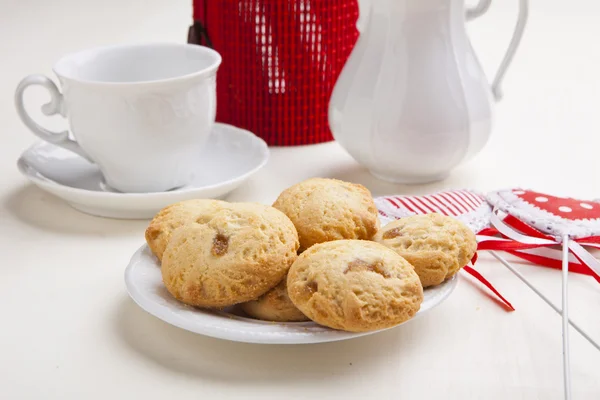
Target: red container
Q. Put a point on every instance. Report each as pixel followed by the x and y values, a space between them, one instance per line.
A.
pixel 281 59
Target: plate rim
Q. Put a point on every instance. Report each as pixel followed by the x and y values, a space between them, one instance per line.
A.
pixel 45 182
pixel 255 337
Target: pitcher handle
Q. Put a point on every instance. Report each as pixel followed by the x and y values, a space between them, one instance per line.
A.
pixel 480 9
pixel 55 106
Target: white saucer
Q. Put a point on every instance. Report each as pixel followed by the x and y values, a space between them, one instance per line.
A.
pixel 144 284
pixel 232 155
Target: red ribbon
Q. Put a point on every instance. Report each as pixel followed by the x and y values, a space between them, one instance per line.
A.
pixel 511 244
pixel 470 270
pixel 555 264
pixel 524 241
pixel 481 279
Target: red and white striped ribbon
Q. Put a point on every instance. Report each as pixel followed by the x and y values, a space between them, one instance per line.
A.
pixel 451 203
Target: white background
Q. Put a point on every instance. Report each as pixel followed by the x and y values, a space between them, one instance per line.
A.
pixel 69 331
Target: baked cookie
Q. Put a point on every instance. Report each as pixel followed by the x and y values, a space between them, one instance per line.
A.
pixel 354 285
pixel 176 215
pixel 329 209
pixel 436 245
pixel 237 256
pixel 275 305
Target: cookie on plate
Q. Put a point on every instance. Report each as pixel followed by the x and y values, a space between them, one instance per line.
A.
pixel 436 245
pixel 354 285
pixel 329 209
pixel 176 215
pixel 275 305
pixel 242 252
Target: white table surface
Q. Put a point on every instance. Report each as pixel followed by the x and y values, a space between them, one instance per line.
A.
pixel 69 330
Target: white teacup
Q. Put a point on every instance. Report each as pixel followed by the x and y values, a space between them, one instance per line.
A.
pixel 142 112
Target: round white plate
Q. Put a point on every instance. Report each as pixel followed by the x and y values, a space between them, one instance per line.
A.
pixel 144 284
pixel 230 157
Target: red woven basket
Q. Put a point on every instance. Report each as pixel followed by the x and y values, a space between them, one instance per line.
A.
pixel 281 59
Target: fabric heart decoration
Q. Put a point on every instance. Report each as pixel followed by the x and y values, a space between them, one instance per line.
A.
pixel 535 224
pixel 468 206
pixel 550 214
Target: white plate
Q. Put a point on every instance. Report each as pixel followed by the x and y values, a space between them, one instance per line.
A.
pixel 144 284
pixel 232 155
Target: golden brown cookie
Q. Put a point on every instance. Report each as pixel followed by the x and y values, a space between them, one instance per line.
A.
pixel 275 305
pixel 436 245
pixel 176 215
pixel 354 285
pixel 329 209
pixel 237 256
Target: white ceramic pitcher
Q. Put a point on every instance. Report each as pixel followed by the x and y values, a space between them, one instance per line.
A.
pixel 412 101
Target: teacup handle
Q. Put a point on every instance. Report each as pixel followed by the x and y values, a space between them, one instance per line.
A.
pixel 480 9
pixel 55 106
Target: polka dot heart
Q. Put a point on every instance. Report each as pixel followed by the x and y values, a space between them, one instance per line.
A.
pixel 572 209
pixel 550 214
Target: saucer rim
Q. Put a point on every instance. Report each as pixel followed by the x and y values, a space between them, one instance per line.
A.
pixel 265 154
